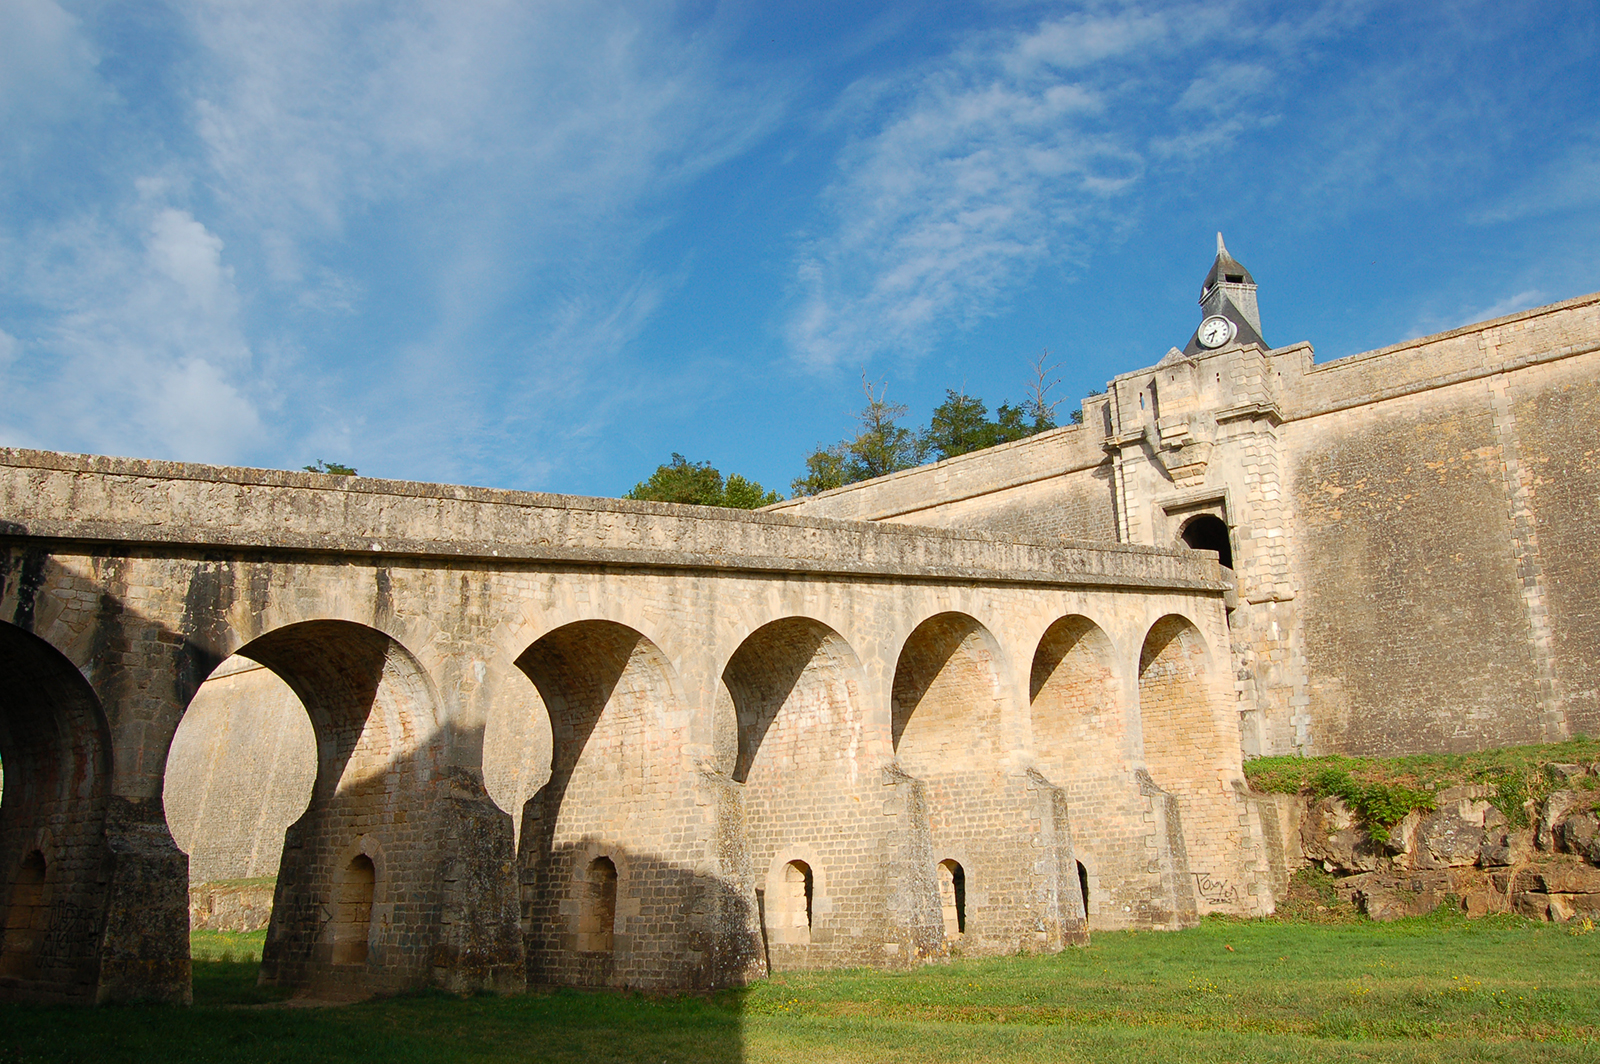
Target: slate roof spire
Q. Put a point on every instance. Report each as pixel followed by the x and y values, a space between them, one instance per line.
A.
pixel 1229 292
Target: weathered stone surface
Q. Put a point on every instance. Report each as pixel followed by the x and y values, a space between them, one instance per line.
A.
pixel 1504 846
pixel 1364 499
pixel 1579 833
pixel 230 907
pixel 1330 834
pixel 1452 836
pixel 566 739
pixel 1552 814
pixel 1390 897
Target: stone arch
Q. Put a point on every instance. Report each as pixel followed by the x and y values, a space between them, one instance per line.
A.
pixel 55 754
pixel 796 895
pixel 953 897
pixel 375 718
pixel 948 701
pixel 617 786
pixel 950 710
pixel 1186 753
pixel 239 771
pixel 1075 704
pixel 792 693
pixel 1208 532
pixel 1175 705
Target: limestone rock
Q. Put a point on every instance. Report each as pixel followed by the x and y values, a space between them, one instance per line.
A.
pixel 1388 897
pixel 1555 810
pixel 1566 878
pixel 1484 902
pixel 1503 846
pixel 1560 772
pixel 1579 834
pixel 1533 904
pixel 1452 836
pixel 1331 835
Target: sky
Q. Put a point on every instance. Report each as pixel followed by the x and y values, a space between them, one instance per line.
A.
pixel 546 246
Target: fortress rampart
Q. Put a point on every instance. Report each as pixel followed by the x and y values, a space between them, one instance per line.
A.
pixel 600 742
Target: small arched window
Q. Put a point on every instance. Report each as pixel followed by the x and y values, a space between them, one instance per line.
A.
pixel 1208 532
pixel 797 897
pixel 953 897
pixel 597 918
pixel 26 916
pixel 352 918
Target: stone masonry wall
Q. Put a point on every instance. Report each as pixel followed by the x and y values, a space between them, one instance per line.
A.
pixel 620 626
pixel 239 773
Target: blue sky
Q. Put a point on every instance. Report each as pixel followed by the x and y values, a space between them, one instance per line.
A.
pixel 545 246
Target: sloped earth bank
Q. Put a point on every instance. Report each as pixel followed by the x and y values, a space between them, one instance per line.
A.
pixel 1502 831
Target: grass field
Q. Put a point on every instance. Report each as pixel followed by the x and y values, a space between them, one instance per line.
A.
pixel 1438 988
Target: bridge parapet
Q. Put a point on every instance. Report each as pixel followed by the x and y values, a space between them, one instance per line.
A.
pixel 51 495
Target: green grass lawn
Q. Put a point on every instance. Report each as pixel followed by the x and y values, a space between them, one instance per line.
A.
pixel 1438 988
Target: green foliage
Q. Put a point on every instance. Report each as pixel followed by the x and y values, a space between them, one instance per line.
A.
pixel 332 469
pixel 959 425
pixel 882 446
pixel 1517 774
pixel 699 484
pixel 1379 806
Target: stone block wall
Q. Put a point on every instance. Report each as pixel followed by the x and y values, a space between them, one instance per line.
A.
pixel 244 744
pixel 606 672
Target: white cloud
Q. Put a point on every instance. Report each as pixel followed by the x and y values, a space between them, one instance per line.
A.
pixel 140 349
pixel 991 166
pixel 1017 149
pixel 47 67
pixel 1432 323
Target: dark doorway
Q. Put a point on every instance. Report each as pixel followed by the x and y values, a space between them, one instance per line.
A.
pixel 1207 532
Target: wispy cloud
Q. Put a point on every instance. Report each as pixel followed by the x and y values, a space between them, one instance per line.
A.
pixel 496 163
pixel 140 340
pixel 1020 148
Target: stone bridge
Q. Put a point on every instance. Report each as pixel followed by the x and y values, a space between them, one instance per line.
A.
pixel 600 742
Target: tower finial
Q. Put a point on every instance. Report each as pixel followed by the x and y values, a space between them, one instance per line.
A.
pixel 1221 250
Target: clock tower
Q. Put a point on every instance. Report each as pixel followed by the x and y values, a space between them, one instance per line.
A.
pixel 1228 302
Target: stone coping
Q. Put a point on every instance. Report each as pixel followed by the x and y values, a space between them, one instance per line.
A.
pixel 145 503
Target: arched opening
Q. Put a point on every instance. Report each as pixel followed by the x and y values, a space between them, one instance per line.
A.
pixel 1083 885
pixel 24 917
pixel 1209 532
pixel 788 724
pixel 1082 741
pixel 952 733
pixel 953 897
pixel 793 912
pixel 1186 750
pixel 352 911
pixel 616 730
pixel 54 749
pixel 947 698
pixel 239 771
pixel 597 918
pixel 1076 714
pixel 372 712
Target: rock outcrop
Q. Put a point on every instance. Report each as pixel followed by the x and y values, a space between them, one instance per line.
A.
pixel 1467 850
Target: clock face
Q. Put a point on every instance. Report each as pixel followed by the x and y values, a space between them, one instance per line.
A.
pixel 1215 331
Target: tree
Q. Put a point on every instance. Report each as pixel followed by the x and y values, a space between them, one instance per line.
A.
pixel 883 446
pixel 332 469
pixel 742 494
pixel 826 468
pixel 959 425
pixel 699 484
pixel 1038 405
